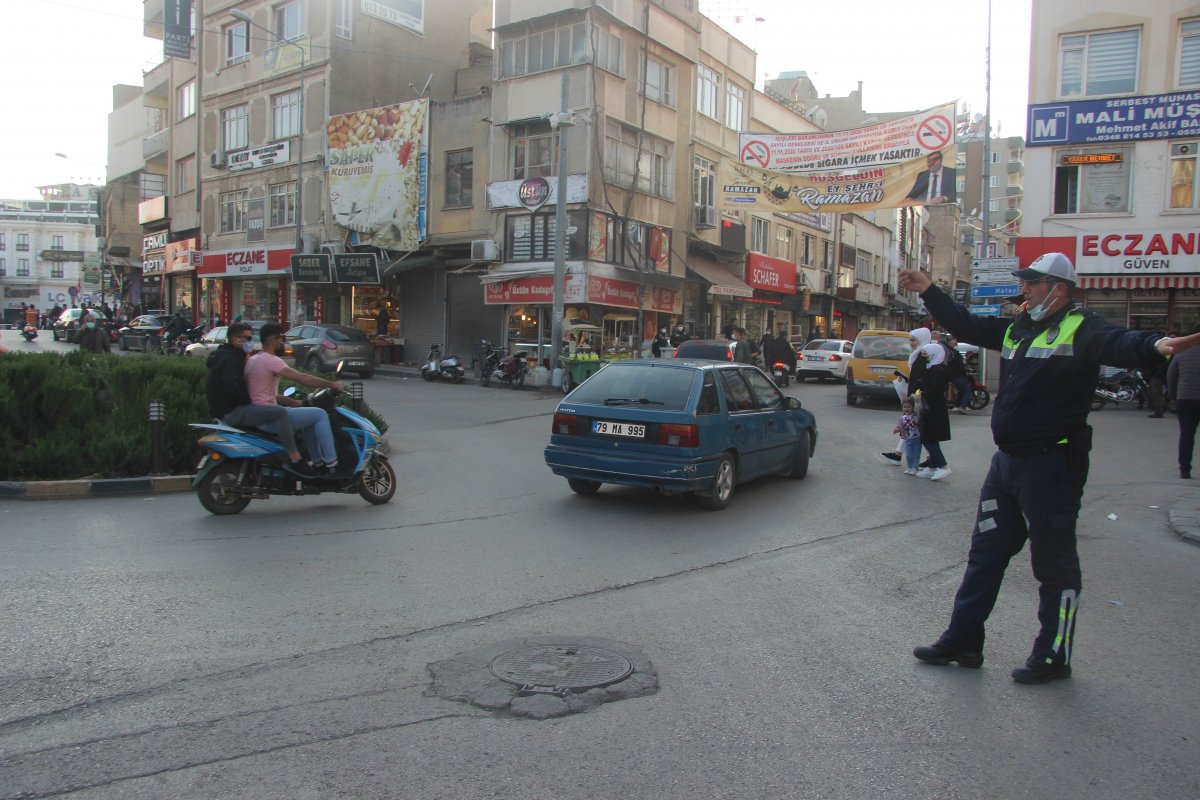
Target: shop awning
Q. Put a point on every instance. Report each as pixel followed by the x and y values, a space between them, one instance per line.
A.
pixel 1139 281
pixel 720 282
pixel 407 264
pixel 498 276
pixel 117 261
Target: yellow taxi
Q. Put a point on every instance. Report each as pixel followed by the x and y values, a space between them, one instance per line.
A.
pixel 876 358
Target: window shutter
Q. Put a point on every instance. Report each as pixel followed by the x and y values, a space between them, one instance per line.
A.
pixel 1112 62
pixel 1072 66
pixel 1189 56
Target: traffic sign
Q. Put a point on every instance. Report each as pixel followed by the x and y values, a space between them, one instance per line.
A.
pixel 991 276
pixel 1001 290
pixel 1008 264
pixel 985 311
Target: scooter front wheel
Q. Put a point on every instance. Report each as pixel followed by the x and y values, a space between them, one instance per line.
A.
pixel 377 484
pixel 218 490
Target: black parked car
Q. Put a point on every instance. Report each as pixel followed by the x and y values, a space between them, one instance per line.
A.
pixel 69 321
pixel 320 348
pixel 143 333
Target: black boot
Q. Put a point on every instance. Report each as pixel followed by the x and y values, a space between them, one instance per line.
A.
pixel 941 655
pixel 1036 671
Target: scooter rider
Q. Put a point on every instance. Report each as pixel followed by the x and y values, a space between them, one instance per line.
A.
pixel 229 399
pixel 1050 360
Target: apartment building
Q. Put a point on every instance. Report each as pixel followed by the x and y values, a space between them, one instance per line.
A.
pixel 48 250
pixel 1113 132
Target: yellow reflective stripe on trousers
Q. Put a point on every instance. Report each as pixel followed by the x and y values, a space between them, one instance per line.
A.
pixel 1067 605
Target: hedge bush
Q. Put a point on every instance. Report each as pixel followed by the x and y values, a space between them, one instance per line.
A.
pixel 79 415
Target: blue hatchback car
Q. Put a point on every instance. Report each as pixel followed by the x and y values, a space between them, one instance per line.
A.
pixel 679 426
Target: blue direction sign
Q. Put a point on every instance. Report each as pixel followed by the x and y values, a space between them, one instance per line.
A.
pixel 985 311
pixel 1002 290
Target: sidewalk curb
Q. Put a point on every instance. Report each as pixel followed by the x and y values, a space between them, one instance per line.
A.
pixel 1184 519
pixel 110 487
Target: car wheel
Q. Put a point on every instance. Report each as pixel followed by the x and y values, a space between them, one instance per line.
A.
pixel 313 364
pixel 800 378
pixel 821 378
pixel 218 491
pixel 851 399
pixel 579 486
pixel 377 484
pixel 54 335
pixel 721 491
pixel 566 387
pixel 800 462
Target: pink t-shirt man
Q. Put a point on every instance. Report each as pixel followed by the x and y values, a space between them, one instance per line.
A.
pixel 262 377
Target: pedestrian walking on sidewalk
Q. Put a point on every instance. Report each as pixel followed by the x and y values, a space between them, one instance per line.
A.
pixel 1183 383
pixel 1050 361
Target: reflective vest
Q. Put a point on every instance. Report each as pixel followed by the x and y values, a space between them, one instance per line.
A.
pixel 1056 340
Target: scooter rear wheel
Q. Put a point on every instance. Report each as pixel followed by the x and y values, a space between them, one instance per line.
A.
pixel 377 484
pixel 980 399
pixel 218 490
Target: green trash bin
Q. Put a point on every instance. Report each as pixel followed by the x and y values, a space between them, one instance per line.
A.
pixel 578 368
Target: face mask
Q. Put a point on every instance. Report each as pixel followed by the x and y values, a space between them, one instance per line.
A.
pixel 90 324
pixel 1041 310
pixel 247 347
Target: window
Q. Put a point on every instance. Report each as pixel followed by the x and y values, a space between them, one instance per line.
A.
pixel 343 19
pixel 56 243
pixel 827 254
pixel 233 211
pixel 993 205
pixel 993 181
pixel 283 204
pixel 783 242
pixel 22 267
pixel 185 101
pixel 707 84
pixel 735 106
pixel 995 156
pixel 636 160
pixel 1189 53
pixel 151 186
pixel 530 237
pixel 1092 180
pixel 56 269
pixel 1099 63
pixel 22 241
pixel 704 181
pixel 658 80
pixel 542 50
pixel 285 115
pixel 808 250
pixel 236 128
pixel 3 241
pixel 185 174
pixel 534 154
pixel 237 42
pixel 1183 175
pixel 759 231
pixel 289 20
pixel 608 52
pixel 460 175
pixel 3 267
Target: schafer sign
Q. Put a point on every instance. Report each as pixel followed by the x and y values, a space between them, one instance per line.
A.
pixel 1139 252
pixel 772 274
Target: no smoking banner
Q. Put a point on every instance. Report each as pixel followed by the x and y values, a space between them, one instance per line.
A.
pixel 935 133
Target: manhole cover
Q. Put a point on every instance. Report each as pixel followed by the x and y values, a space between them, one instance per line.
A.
pixel 561 668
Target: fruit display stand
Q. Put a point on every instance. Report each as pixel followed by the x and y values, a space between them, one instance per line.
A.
pixel 578 367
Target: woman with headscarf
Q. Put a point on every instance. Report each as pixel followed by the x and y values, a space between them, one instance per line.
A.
pixel 930 378
pixel 917 338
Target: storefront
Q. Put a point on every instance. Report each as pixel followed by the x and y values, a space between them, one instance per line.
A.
pixel 152 289
pixel 728 296
pixel 179 274
pixel 1145 280
pixel 247 284
pixel 774 283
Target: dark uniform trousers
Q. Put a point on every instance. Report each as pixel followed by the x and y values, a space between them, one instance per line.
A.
pixel 1037 497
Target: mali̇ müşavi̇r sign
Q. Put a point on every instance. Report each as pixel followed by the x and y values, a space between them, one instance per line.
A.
pixel 378 171
pixel 892 164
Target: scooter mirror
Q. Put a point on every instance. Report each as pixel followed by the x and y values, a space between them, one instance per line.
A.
pixel 288 392
pixel 341 366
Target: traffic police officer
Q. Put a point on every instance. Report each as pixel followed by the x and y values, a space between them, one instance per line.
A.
pixel 1051 357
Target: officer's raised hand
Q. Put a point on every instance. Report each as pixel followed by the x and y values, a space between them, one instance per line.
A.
pixel 914 280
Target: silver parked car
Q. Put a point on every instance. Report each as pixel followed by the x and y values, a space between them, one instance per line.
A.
pixel 320 348
pixel 823 358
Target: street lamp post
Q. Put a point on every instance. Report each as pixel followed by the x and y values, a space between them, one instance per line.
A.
pixel 237 13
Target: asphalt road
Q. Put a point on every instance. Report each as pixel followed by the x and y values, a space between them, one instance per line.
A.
pixel 151 650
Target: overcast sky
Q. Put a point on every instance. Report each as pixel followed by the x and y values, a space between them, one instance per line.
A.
pixel 59 60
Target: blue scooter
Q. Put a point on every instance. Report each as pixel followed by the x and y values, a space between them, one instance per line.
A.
pixel 241 465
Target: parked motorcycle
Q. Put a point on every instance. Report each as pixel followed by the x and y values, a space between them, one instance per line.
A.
pixel 501 366
pixel 781 374
pixel 1124 386
pixel 448 368
pixel 241 465
pixel 29 331
pixel 177 345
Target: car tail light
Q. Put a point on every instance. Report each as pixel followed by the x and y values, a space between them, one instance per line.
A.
pixel 780 364
pixel 679 435
pixel 565 424
pixel 328 345
pixel 835 357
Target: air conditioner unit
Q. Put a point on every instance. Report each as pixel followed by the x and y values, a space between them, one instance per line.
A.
pixel 485 250
pixel 216 159
pixel 706 217
pixel 333 248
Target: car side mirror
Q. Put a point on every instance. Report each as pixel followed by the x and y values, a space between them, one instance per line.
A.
pixel 793 404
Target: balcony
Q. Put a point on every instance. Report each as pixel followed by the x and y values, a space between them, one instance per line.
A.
pixel 1016 167
pixel 1012 214
pixel 157 84
pixel 847 293
pixel 152 19
pixel 155 145
pixel 1014 191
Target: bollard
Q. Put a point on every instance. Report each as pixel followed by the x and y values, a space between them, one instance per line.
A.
pixel 158 416
pixel 356 396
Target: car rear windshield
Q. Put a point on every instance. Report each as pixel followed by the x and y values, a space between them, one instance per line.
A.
pixel 347 335
pixel 828 345
pixel 663 388
pixel 895 348
pixel 716 351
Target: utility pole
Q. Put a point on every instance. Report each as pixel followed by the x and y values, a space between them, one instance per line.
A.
pixel 987 142
pixel 559 123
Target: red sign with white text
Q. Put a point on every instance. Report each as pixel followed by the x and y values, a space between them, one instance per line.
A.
pixel 612 292
pixel 772 274
pixel 534 289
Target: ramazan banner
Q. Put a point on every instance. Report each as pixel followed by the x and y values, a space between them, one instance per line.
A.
pixel 378 167
pixel 908 161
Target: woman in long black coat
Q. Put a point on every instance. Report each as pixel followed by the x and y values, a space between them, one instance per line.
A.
pixel 930 376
